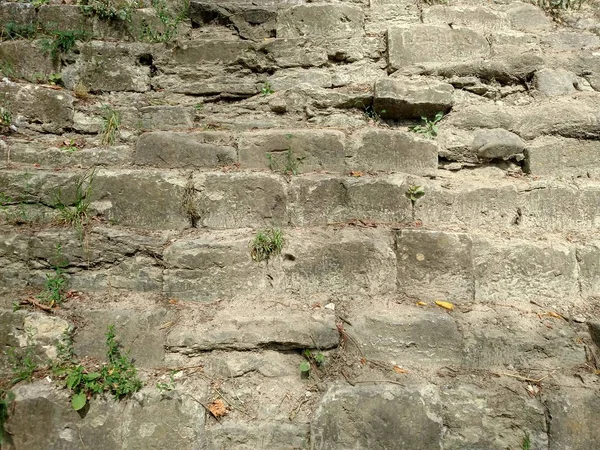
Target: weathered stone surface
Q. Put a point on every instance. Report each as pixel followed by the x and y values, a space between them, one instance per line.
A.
pixel 541 341
pixel 319 200
pixel 20 13
pixel 211 267
pixel 145 422
pixel 494 417
pixel 142 332
pixel 377 417
pixel 553 156
pixel 477 17
pixel 116 195
pixel 105 66
pixel 340 261
pixel 309 330
pixel 411 99
pixel 528 18
pixel 38 107
pixel 434 265
pixel 283 53
pixel 44 331
pixel 498 143
pixel 331 20
pixel 412 338
pixel 414 44
pixel 209 149
pixel 238 200
pixel 588 259
pixel 22 58
pixel 251 21
pixel 166 117
pixel 64 17
pixel 521 271
pixel 38 187
pixel 573 419
pixel 310 149
pixel 250 436
pixel 555 82
pixel 392 151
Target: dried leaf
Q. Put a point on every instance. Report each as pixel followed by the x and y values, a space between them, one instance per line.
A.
pixel 173 301
pixel 356 173
pixel 446 305
pixel 399 369
pixel 421 304
pixel 218 408
pixel 555 315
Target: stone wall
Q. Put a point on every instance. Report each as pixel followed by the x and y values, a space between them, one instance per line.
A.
pixel 216 102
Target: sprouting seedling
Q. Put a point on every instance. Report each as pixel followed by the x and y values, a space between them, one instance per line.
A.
pixel 414 193
pixel 267 89
pixel 429 128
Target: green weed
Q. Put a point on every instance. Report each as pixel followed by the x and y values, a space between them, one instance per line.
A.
pixel 55 289
pixel 37 3
pixel 70 146
pixel 111 10
pixel 266 244
pixel 118 376
pixel 291 163
pixel 414 193
pixel 62 41
pixel 23 361
pixel 266 89
pixel 110 126
pixel 168 386
pixel 317 359
pixel 56 79
pixel 526 443
pixel 75 214
pixel 13 211
pixel 429 128
pixel 371 114
pixel 6 399
pixel 169 21
pixel 5 115
pixel 12 30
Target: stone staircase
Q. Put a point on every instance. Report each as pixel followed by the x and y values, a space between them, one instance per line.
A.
pixel 212 125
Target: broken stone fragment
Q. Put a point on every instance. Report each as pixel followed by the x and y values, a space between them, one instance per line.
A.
pixel 411 99
pixel 498 143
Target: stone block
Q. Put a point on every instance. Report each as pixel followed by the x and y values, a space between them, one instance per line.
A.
pixel 166 118
pixel 491 417
pixel 105 66
pixel 309 149
pixel 198 54
pixel 342 261
pixel 528 18
pixel 417 44
pixel 555 156
pixel 497 143
pixel 477 17
pixel 434 265
pixel 318 200
pixel 330 20
pixel 250 435
pixel 38 107
pixel 379 199
pixel 140 199
pixel 573 423
pixel 413 339
pixel 64 17
pixel 411 99
pixel 22 58
pixel 555 82
pixel 209 149
pixel 140 331
pixel 588 259
pixel 237 200
pixel 211 267
pixel 19 13
pixel 144 423
pixel 521 271
pixel 377 417
pixel 294 331
pixel 283 53
pixel 392 151
pixel 39 187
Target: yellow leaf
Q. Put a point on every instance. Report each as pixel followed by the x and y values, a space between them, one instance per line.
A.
pixel 421 304
pixel 446 305
pixel 555 315
pixel 399 369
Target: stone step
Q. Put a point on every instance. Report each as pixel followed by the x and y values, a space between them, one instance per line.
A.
pixel 414 264
pixel 469 201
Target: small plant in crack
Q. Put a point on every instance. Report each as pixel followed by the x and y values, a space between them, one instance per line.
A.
pixel 429 128
pixel 526 443
pixel 414 193
pixel 372 115
pixel 266 244
pixel 287 164
pixel 62 42
pixel 75 214
pixel 55 289
pixel 110 125
pixel 5 116
pixel 311 359
pixel 266 89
